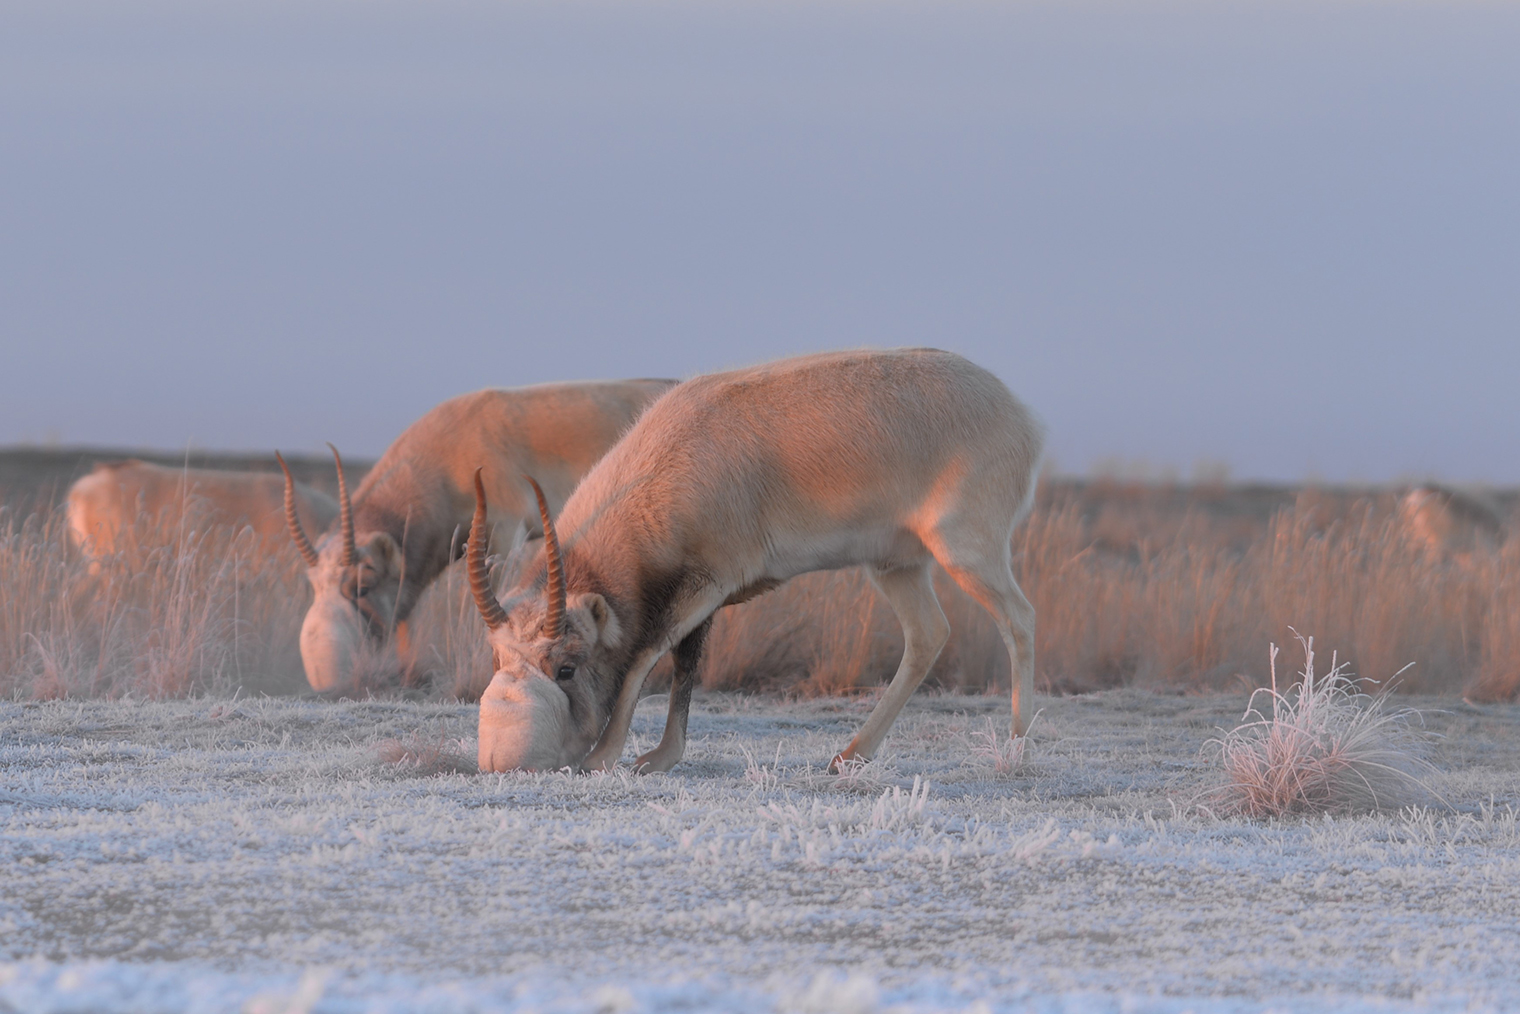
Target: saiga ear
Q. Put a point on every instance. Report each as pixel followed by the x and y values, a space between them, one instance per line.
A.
pixel 608 630
pixel 384 554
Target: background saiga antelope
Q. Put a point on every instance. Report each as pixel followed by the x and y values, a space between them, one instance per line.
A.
pixel 405 522
pixel 109 501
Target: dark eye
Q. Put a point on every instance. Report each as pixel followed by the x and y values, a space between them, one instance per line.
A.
pixel 362 591
pixel 565 672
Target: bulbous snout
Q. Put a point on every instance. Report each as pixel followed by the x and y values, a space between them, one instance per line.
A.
pixel 332 636
pixel 525 725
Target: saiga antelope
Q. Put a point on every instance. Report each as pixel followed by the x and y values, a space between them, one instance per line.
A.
pixel 729 485
pixel 107 502
pixel 404 524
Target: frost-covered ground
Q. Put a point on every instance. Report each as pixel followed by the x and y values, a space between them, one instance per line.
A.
pixel 265 855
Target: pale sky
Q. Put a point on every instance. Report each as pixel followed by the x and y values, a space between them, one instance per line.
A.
pixel 1281 235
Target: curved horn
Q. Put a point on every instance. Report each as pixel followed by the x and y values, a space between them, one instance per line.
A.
pixel 296 531
pixel 555 592
pixel 345 514
pixel 480 578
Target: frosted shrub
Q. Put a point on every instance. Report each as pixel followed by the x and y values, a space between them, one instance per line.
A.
pixel 1323 745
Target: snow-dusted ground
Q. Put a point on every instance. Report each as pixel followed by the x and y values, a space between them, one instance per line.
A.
pixel 264 855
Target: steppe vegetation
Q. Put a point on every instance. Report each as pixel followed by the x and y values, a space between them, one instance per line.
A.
pixel 179 610
pixel 1167 589
pixel 183 841
pixel 1134 586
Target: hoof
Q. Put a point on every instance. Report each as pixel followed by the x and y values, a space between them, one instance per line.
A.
pixel 844 760
pixel 650 764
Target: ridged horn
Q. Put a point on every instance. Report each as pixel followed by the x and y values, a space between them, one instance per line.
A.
pixel 291 519
pixel 480 578
pixel 555 592
pixel 345 514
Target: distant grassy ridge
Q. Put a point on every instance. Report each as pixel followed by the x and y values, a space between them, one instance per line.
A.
pixel 1158 585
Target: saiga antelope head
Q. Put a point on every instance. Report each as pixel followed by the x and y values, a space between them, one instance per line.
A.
pixel 554 653
pixel 355 588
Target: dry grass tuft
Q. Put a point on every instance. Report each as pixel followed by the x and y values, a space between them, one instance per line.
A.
pixel 1326 746
pixel 425 756
pixel 856 775
pixel 762 776
pixel 994 748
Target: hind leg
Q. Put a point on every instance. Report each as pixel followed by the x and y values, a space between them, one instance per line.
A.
pixel 989 580
pixel 910 591
pixel 687 656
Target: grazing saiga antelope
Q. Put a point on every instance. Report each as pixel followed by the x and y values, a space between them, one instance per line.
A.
pixel 406 521
pixel 730 485
pixel 1451 526
pixel 107 502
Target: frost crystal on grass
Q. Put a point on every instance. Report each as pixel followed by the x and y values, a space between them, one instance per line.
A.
pixel 427 755
pixel 1324 746
pixel 1004 754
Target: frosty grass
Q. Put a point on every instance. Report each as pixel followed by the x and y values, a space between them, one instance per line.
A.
pixel 270 855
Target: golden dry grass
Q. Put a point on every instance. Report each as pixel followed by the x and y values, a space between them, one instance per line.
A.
pixel 1193 614
pixel 180 609
pixel 1173 598
pixel 1176 593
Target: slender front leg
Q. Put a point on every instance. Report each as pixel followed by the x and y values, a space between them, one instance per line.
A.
pixel 604 756
pixel 406 655
pixel 688 657
pixel 910 592
pixel 615 736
